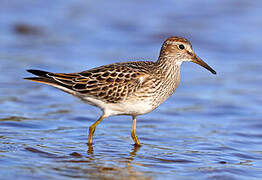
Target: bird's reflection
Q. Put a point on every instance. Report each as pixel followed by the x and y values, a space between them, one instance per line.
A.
pixel 90 150
pixel 128 159
pixel 132 154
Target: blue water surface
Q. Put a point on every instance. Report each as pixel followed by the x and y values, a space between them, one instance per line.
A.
pixel 211 128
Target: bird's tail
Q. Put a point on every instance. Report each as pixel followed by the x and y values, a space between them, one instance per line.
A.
pixel 42 77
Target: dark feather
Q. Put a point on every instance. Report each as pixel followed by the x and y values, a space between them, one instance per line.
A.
pixel 42 80
pixel 38 72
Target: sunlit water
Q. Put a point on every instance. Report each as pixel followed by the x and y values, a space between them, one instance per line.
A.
pixel 209 129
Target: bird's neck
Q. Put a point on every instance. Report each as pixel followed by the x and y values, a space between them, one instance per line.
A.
pixel 169 67
pixel 169 77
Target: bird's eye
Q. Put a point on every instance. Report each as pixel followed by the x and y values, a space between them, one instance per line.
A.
pixel 181 46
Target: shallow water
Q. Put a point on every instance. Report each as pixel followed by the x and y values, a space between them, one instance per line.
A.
pixel 209 129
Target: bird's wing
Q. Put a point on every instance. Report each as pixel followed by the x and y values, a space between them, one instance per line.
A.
pixel 110 83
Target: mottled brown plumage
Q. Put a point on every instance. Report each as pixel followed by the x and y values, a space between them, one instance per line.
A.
pixel 130 88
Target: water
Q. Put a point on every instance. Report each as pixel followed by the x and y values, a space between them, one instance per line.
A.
pixel 209 129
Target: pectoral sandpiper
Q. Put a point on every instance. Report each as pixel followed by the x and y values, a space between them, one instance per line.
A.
pixel 129 88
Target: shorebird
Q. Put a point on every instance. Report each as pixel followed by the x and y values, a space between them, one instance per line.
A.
pixel 127 88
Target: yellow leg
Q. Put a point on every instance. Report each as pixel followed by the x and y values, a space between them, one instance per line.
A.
pixel 92 129
pixel 133 134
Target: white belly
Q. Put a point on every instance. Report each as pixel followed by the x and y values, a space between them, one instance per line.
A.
pixel 132 108
pixel 124 108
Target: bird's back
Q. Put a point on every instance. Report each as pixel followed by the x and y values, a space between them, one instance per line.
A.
pixel 110 83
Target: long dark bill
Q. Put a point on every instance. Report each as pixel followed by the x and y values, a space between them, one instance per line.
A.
pixel 199 61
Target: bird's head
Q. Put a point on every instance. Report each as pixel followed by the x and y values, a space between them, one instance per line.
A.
pixel 180 49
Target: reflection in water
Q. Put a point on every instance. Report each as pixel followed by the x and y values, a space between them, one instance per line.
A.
pixel 132 153
pixel 90 150
pixel 92 166
pixel 107 170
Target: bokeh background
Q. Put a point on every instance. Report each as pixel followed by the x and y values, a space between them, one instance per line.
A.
pixel 209 129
